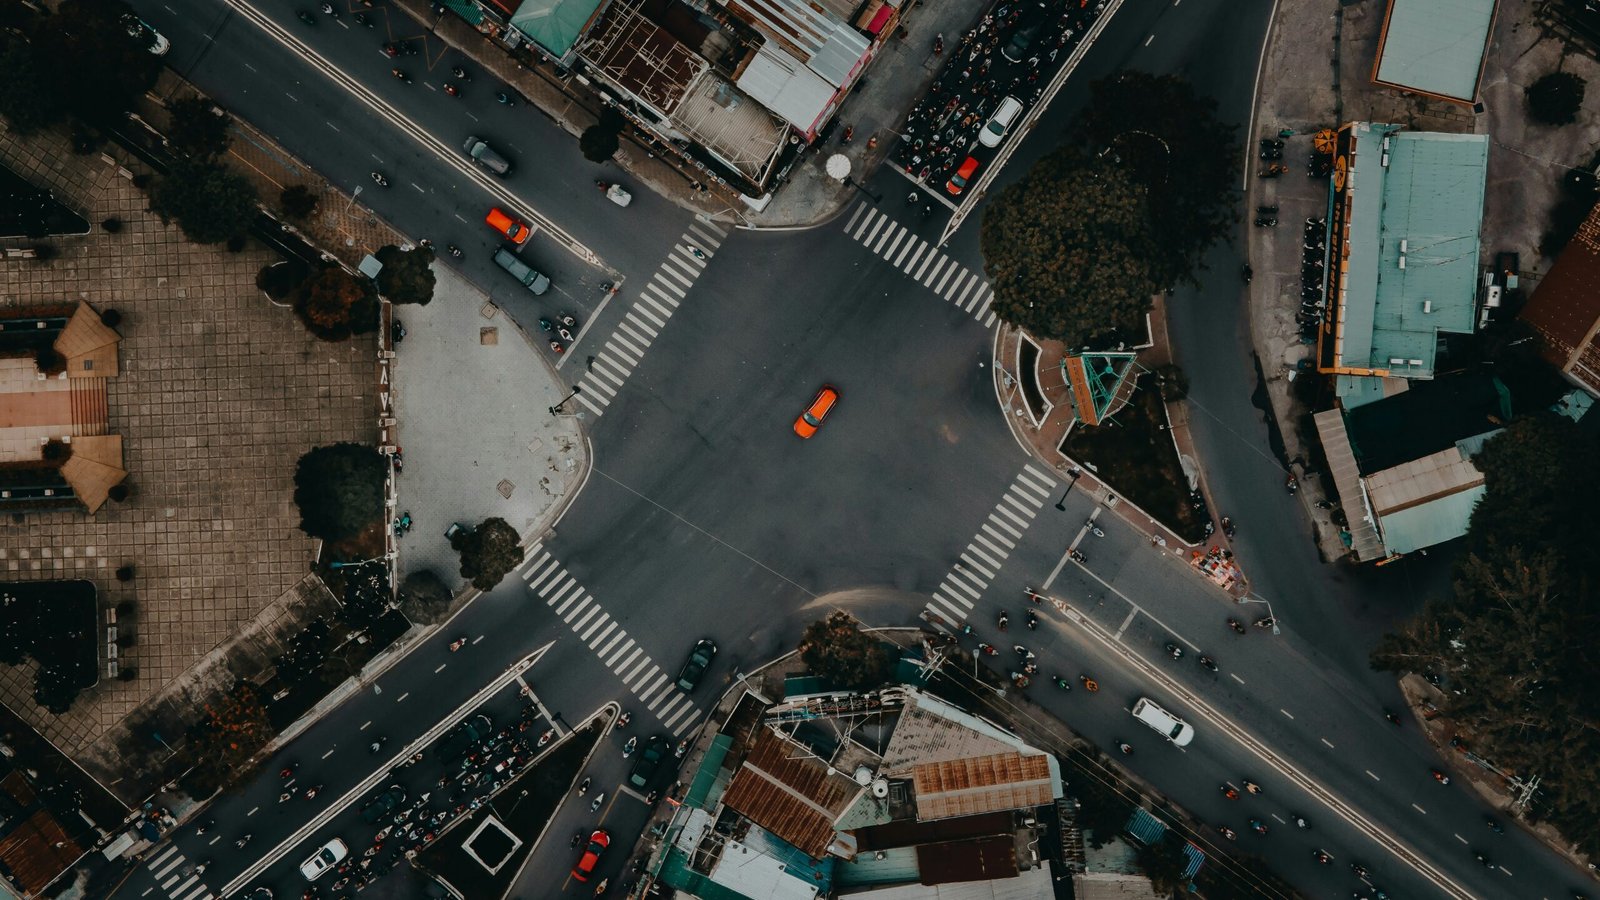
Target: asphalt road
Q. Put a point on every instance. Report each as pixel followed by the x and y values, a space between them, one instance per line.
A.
pixel 704 516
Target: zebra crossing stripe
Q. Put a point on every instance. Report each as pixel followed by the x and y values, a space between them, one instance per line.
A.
pixel 914 242
pixel 1010 545
pixel 162 858
pixel 856 215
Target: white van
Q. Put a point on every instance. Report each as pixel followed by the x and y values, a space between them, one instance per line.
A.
pixel 1171 727
pixel 994 130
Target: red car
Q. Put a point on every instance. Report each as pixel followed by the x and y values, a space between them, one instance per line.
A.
pixel 811 419
pixel 958 181
pixel 598 842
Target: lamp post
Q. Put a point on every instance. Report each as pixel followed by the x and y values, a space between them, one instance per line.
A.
pixel 336 565
pixel 1270 614
pixel 576 390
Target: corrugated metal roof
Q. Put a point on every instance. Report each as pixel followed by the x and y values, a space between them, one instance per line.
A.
pixel 783 788
pixel 1435 46
pixel 1425 191
pixel 1441 519
pixel 554 25
pixel 784 85
pixel 1347 479
pixel 822 41
pixel 1565 308
pixel 1422 481
pixel 982 784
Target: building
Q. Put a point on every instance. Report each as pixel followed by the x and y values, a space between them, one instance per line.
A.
pixel 1402 248
pixel 1435 47
pixel 1565 309
pixel 887 794
pixel 1402 464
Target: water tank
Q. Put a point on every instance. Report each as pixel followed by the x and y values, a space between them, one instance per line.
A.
pixel 880 788
pixel 863 775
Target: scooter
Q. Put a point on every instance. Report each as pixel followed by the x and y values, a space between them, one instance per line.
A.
pixel 624 718
pixel 460 73
pixel 681 749
pixel 556 347
pixel 1063 683
pixel 1095 529
pixel 1236 625
pixel 599 800
pixel 1209 663
pixel 1033 620
pixel 1003 620
pixel 451 89
pixel 545 739
pixel 583 786
pixel 327 9
pixel 988 649
pixel 306 17
pixel 1174 651
pixel 378 177
pixel 361 19
pixel 457 644
pixel 505 98
pixel 627 748
pixel 400 74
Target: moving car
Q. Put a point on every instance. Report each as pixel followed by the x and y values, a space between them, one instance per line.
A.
pixel 644 768
pixel 1171 727
pixel 958 181
pixel 383 804
pixel 326 857
pixel 695 666
pixel 484 155
pixel 994 130
pixel 598 842
pixel 531 279
pixel 511 228
pixel 811 419
pixel 1021 42
pixel 154 40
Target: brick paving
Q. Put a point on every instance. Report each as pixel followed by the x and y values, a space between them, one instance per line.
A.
pixel 220 392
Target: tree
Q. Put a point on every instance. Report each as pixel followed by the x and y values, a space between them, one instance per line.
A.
pixel 425 598
pixel 838 650
pixel 1513 639
pixel 27 99
pixel 339 490
pixel 407 275
pixel 1126 208
pixel 488 552
pixel 333 304
pixel 96 65
pixel 601 141
pixel 1164 863
pixel 210 202
pixel 198 128
pixel 1556 98
pixel 298 201
pixel 279 280
pixel 1067 249
pixel 222 746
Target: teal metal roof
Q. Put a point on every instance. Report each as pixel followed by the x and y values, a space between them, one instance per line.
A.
pixel 554 25
pixel 1424 191
pixel 1434 522
pixel 1435 46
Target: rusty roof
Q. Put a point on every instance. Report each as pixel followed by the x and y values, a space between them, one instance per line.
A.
pixel 787 790
pixel 982 784
pixel 37 850
pixel 1565 308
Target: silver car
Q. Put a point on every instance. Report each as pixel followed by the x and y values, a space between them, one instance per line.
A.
pixel 484 155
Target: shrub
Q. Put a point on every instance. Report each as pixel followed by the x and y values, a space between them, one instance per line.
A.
pixel 298 201
pixel 124 573
pixel 112 225
pixel 1556 98
pixel 111 318
pixel 49 361
pixel 119 492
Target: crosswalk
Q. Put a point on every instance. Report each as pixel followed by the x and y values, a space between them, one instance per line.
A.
pixel 996 538
pixel 922 261
pixel 654 687
pixel 176 876
pixel 649 314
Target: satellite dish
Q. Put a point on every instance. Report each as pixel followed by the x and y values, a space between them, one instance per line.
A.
pixel 838 167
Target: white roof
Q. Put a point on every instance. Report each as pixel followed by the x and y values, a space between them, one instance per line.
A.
pixel 784 85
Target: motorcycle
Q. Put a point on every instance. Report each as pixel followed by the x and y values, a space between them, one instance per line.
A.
pixel 1063 683
pixel 1265 622
pixel 624 718
pixel 400 74
pixel 1095 529
pixel 505 98
pixel 1247 272
pixel 1125 747
pixel 681 749
pixel 1003 620
pixel 306 17
pixel 1250 786
pixel 1033 620
pixel 458 643
pixel 1439 776
pixel 583 786
pixel 451 89
pixel 1231 792
pixel 938 43
pixel 987 649
pixel 378 177
pixel 1292 484
pixel 1236 625
pixel 362 20
pixel 1393 719
pixel 1078 557
pixel 460 73
pixel 545 739
pixel 627 748
pixel 599 801
pixel 1023 652
pixel 1227 832
pixel 1494 825
pixel 312 792
pixel 1209 663
pixel 1300 821
pixel 286 796
pixel 1019 679
pixel 577 838
pixel 1089 684
pixel 556 347
pixel 1321 856
pixel 454 251
pixel 1174 651
pixel 1258 826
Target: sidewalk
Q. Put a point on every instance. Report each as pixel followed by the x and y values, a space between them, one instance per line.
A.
pixel 472 396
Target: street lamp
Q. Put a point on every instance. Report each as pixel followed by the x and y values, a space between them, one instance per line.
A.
pixel 336 565
pixel 576 390
pixel 1062 503
pixel 1270 614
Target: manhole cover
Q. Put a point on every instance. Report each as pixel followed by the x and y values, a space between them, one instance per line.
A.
pixel 506 487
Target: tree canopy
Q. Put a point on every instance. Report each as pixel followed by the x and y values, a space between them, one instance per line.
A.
pixel 1124 209
pixel 198 128
pixel 1514 639
pixel 25 100
pixel 210 202
pixel 425 598
pixel 1556 98
pixel 222 746
pixel 837 649
pixel 339 490
pixel 600 141
pixel 333 304
pixel 94 65
pixel 488 552
pixel 407 275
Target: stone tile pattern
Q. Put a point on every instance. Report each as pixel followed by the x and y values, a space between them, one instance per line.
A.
pixel 220 394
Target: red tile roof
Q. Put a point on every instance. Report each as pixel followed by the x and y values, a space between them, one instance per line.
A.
pixel 1565 309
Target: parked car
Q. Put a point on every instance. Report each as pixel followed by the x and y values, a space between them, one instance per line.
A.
pixel 598 842
pixel 994 130
pixel 533 280
pixel 695 666
pixel 644 768
pixel 383 804
pixel 326 857
pixel 152 39
pixel 517 231
pixel 958 181
pixel 484 155
pixel 821 405
pixel 1021 43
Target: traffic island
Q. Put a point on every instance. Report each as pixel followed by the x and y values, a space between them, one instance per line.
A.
pixel 483 852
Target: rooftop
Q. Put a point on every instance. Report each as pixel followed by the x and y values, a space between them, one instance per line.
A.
pixel 1435 47
pixel 1565 308
pixel 554 25
pixel 783 788
pixel 1430 417
pixel 1413 209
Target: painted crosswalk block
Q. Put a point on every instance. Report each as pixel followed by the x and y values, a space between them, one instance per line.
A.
pixel 922 261
pixel 654 686
pixel 643 322
pixel 176 875
pixel 996 538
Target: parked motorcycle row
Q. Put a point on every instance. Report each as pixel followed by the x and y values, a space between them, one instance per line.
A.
pixel 1313 271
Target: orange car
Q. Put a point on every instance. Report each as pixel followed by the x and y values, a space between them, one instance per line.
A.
pixel 811 419
pixel 511 228
pixel 958 181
